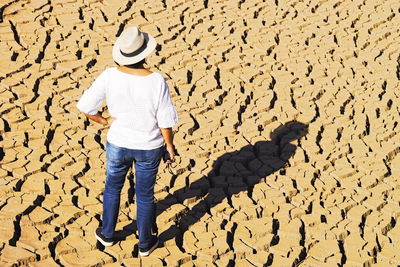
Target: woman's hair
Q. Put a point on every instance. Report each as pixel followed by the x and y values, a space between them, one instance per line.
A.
pixel 137 65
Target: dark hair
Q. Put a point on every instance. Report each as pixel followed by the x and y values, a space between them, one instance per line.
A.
pixel 138 65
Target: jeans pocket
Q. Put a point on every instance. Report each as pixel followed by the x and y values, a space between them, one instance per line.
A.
pixel 151 156
pixel 114 153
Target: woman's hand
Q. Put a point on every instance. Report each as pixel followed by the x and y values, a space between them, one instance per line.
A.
pixel 100 119
pixel 110 120
pixel 170 150
pixel 167 134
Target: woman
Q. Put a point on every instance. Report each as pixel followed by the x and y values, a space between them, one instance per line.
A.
pixel 142 115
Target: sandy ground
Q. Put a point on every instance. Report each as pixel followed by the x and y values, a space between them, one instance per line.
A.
pixel 288 133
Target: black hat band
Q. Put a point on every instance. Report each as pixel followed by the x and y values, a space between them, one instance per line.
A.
pixel 137 52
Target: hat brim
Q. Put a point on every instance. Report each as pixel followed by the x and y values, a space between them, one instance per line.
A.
pixel 129 60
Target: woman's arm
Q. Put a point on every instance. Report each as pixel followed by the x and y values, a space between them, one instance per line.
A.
pixel 167 134
pixel 100 119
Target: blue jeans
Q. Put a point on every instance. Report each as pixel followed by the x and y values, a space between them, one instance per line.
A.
pixel 119 160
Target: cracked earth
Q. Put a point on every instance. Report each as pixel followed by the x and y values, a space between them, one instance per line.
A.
pixel 288 136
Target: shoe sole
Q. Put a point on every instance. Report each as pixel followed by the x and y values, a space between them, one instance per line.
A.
pixel 106 244
pixel 147 253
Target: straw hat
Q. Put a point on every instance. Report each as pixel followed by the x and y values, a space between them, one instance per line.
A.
pixel 132 46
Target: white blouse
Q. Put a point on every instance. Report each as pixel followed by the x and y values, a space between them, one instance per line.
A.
pixel 141 105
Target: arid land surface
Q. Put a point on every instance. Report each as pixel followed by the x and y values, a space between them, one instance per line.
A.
pixel 288 134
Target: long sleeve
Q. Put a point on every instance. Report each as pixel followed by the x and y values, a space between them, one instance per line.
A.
pixel 166 112
pixel 92 98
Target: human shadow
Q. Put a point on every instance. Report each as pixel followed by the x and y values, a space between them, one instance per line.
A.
pixel 231 173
